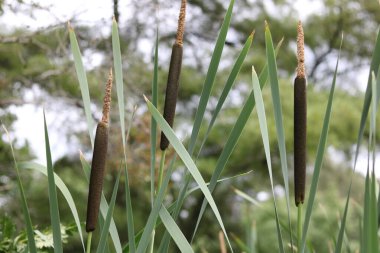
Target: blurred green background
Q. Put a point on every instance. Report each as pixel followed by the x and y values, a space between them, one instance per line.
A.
pixel 37 71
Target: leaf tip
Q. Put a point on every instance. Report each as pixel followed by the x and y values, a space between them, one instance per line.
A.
pixel 266 26
pixel 71 29
pixel 81 155
pixel 145 98
pixel 252 34
pixel 253 70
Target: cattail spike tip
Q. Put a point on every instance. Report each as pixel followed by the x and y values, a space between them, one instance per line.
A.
pixel 300 51
pixel 107 98
pixel 181 24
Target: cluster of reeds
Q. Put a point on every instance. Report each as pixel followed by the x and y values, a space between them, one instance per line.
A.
pixel 98 207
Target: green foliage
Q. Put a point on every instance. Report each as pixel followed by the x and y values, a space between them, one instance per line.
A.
pixel 254 228
pixel 13 242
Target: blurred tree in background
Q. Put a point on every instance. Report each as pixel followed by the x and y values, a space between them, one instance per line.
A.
pixel 38 61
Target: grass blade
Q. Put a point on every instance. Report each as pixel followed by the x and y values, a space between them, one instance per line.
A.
pixel 275 91
pixel 151 222
pixel 24 205
pixel 130 221
pixel 227 151
pixel 232 139
pixel 373 212
pixel 174 231
pixel 196 188
pixel 53 201
pixel 373 216
pixel 118 78
pixel 366 218
pixel 83 84
pixel 128 200
pixel 367 100
pixel 241 245
pixel 264 133
pixel 107 222
pixel 120 99
pixel 103 208
pixel 319 157
pixel 210 77
pixel 247 197
pixel 375 63
pixel 189 163
pixel 227 88
pixel 153 127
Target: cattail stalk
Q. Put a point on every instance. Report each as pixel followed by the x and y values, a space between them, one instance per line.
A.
pixel 300 119
pixel 99 161
pixel 173 75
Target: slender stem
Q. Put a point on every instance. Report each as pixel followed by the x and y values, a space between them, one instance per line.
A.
pixel 160 176
pixel 89 237
pixel 151 245
pixel 299 226
pixel 161 171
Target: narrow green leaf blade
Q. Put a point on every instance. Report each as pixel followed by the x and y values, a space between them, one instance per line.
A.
pixel 83 84
pixel 53 201
pixel 196 188
pixel 130 221
pixel 242 246
pixel 366 216
pixel 228 86
pixel 227 151
pixel 107 222
pixel 373 214
pixel 189 163
pixel 375 63
pixel 174 231
pixel 232 139
pixel 367 100
pixel 153 127
pixel 24 205
pixel 120 99
pixel 275 91
pixel 151 222
pixel 210 77
pixel 247 197
pixel 272 70
pixel 118 77
pixel 265 136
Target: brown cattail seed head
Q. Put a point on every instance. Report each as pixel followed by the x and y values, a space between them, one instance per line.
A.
pixel 300 129
pixel 107 99
pixel 99 161
pixel 181 24
pixel 173 75
pixel 300 51
pixel 97 175
pixel 172 90
pixel 300 121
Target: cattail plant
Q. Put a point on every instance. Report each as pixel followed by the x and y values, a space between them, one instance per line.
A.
pixel 300 111
pixel 174 74
pixel 99 161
